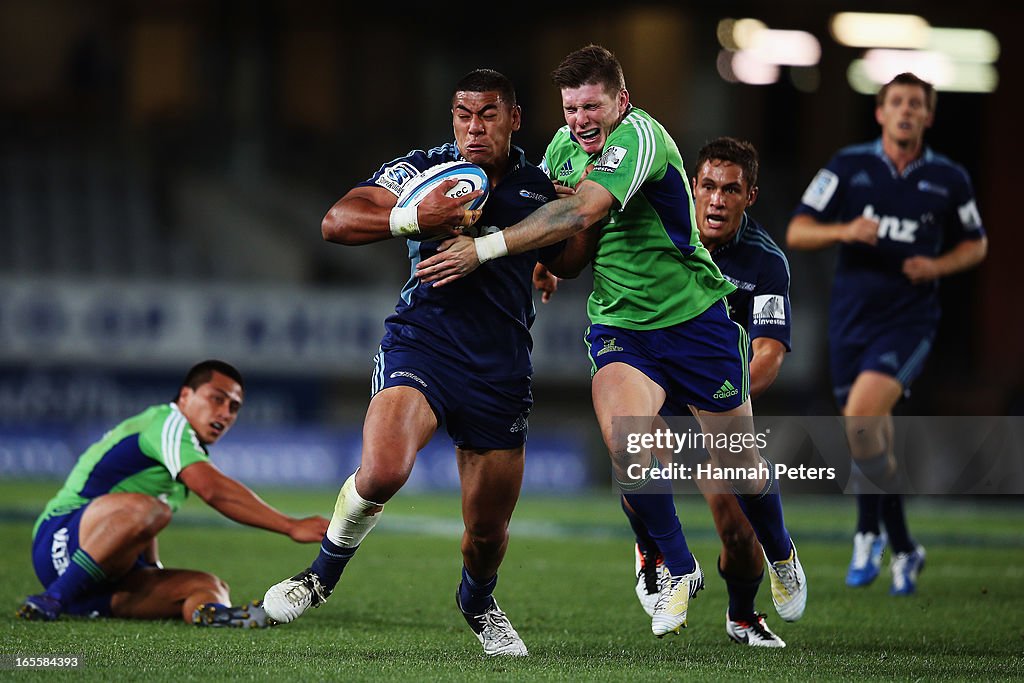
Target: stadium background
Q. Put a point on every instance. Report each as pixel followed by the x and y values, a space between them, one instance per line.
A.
pixel 164 167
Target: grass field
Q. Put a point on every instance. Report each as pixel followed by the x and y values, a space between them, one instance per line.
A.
pixel 566 584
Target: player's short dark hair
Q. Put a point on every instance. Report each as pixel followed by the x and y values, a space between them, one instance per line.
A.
pixel 931 96
pixel 733 150
pixel 486 80
pixel 201 373
pixel 590 65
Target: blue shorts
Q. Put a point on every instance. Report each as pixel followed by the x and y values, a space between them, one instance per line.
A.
pixel 702 362
pixel 477 413
pixel 54 544
pixel 899 353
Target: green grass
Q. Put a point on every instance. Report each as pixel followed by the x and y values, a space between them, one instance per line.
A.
pixel 566 584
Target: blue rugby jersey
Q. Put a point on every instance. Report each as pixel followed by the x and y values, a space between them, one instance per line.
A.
pixel 926 210
pixel 483 319
pixel 753 262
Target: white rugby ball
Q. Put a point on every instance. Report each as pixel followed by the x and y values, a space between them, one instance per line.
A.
pixel 470 177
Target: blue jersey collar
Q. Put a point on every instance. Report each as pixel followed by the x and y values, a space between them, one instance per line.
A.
pixel 927 155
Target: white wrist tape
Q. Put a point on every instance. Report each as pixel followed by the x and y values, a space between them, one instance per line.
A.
pixel 404 222
pixel 490 247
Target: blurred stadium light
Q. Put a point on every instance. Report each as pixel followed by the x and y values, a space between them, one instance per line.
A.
pixel 754 52
pixel 952 59
pixel 867 29
pixel 878 66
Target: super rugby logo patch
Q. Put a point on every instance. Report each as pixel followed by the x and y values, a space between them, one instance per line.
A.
pixel 395 177
pixel 821 189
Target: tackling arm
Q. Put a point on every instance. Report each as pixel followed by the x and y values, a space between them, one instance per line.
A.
pixel 551 223
pixel 559 220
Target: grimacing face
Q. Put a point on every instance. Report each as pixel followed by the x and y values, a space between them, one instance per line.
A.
pixel 720 196
pixel 483 124
pixel 211 408
pixel 592 114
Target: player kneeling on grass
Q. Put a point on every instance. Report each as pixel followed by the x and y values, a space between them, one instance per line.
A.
pixel 94 547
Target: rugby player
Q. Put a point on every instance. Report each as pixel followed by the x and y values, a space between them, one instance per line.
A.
pixel 94 547
pixel 724 187
pixel 904 217
pixel 454 357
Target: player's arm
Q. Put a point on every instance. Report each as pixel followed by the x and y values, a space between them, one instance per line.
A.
pixel 556 221
pixel 806 233
pixel 578 253
pixel 236 501
pixel 367 214
pixel 770 330
pixel 963 256
pixel 544 282
pixel 764 366
pixel 579 249
pixel 551 223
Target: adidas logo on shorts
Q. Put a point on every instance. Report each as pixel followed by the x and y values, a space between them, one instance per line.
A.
pixel 726 390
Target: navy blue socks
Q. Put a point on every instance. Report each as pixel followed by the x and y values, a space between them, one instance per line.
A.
pixel 475 597
pixel 895 521
pixel 81 574
pixel 742 593
pixel 331 561
pixel 657 511
pixel 764 512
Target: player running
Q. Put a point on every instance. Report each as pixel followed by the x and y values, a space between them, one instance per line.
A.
pixel 903 217
pixel 724 186
pixel 457 357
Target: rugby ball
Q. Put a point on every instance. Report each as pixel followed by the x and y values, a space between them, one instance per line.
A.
pixel 470 177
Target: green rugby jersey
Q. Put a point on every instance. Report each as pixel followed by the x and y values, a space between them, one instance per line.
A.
pixel 143 454
pixel 650 270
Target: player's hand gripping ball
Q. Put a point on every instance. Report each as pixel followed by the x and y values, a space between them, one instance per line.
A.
pixel 470 177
